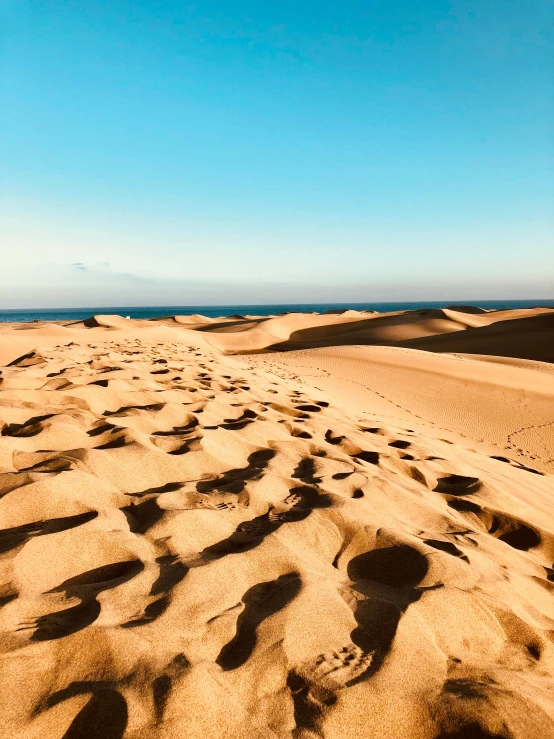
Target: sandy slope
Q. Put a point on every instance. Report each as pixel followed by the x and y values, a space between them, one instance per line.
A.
pixel 345 541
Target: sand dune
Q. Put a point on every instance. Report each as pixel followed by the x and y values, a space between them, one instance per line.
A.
pixel 525 337
pixel 317 537
pixel 516 333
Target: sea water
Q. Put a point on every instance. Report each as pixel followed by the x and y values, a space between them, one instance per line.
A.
pixel 214 311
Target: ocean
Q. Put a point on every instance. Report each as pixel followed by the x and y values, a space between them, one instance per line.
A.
pixel 214 311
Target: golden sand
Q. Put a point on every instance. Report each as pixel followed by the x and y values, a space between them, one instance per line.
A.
pixel 336 526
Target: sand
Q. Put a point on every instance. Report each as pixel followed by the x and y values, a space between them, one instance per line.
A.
pixel 299 526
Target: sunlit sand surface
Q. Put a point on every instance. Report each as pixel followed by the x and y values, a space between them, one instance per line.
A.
pixel 336 526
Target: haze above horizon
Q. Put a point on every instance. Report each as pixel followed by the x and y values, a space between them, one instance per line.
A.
pixel 240 152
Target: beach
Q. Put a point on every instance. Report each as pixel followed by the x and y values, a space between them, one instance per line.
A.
pixel 335 525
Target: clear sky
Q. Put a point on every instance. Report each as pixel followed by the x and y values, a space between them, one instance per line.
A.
pixel 236 151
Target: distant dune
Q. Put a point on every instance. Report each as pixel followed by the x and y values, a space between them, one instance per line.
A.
pixel 335 526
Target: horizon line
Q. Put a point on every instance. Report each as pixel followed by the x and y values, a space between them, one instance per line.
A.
pixel 238 305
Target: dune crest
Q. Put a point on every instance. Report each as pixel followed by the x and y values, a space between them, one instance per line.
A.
pixel 318 537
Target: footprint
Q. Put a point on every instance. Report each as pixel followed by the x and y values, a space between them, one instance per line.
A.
pixel 470 731
pixel 18 535
pixel 247 415
pixel 306 498
pixel 458 485
pixel 336 669
pixel 89 584
pixel 371 457
pixel 378 610
pixel 235 425
pixel 53 464
pixel 179 430
pixel 305 471
pixel 287 411
pixel 8 592
pixel 400 444
pixel 234 481
pixel 28 360
pixel 260 602
pixel 224 506
pixel 330 439
pixel 511 530
pixel 105 715
pixel 518 465
pixel 399 566
pixel 63 623
pixel 172 571
pixel 117 443
pixel 142 516
pixel 152 611
pixel 161 686
pixel 514 532
pixel 446 546
pixel 299 434
pixel 169 487
pixel 314 684
pixel 128 410
pixel 31 427
pixel 98 430
pixel 177 445
pixel 464 506
pixel 248 535
pixel 341 475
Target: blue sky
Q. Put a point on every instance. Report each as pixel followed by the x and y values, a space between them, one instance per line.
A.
pixel 243 151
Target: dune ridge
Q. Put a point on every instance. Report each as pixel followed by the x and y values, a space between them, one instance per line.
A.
pixel 295 527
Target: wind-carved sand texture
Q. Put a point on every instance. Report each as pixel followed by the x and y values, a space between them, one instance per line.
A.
pixel 339 541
